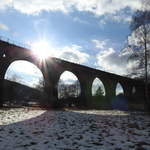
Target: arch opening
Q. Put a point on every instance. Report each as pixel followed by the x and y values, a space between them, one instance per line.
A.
pixel 98 94
pixel 24 82
pixel 133 90
pixel 120 102
pixel 68 87
pixel 119 89
pixel 98 88
pixel 3 55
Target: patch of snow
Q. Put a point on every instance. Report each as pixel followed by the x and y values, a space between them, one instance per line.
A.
pixel 25 129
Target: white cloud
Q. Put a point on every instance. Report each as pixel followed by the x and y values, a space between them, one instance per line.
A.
pixel 34 6
pixel 121 18
pixel 72 53
pixel 4 27
pixel 100 44
pixel 97 7
pixel 111 61
pixel 5 3
pixel 77 19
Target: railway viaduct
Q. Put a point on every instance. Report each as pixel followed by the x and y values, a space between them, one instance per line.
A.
pixel 52 68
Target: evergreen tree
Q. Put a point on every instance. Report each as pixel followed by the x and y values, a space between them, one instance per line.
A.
pixel 99 92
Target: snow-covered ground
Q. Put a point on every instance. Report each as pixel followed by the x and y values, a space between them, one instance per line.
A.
pixel 26 129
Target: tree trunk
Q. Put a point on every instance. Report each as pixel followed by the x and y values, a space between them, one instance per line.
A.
pixel 146 78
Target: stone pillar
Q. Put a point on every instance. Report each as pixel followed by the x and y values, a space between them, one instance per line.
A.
pixel 139 97
pixel 51 76
pixel 4 64
pixel 110 88
pixel 86 93
pixel 127 88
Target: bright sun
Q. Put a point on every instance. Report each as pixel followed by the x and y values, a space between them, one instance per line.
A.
pixel 41 49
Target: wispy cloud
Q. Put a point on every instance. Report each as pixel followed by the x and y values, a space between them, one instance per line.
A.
pixel 4 27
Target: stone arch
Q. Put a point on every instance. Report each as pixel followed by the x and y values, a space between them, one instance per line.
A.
pixel 97 85
pixel 31 85
pixel 29 59
pixel 24 67
pixel 68 82
pixel 119 89
pixel 98 92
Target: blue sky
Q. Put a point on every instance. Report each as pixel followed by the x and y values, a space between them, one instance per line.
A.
pixel 92 33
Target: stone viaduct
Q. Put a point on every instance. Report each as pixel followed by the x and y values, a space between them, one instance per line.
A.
pixel 52 69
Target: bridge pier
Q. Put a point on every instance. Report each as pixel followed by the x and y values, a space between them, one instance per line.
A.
pixel 110 88
pixel 86 95
pixel 4 64
pixel 138 100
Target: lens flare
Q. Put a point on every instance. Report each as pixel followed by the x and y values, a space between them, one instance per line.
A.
pixel 41 49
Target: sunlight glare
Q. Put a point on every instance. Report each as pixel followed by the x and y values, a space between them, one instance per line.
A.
pixel 41 49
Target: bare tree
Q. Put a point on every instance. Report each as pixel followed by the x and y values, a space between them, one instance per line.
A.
pixel 40 84
pixel 140 27
pixel 68 90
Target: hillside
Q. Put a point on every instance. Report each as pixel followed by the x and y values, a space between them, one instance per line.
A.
pixel 15 93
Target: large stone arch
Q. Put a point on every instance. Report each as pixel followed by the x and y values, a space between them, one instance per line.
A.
pixel 101 84
pixel 122 90
pixel 23 88
pixel 24 68
pixel 48 86
pixel 81 76
pixel 69 90
pixel 71 78
pixel 85 80
pixel 8 61
pixel 99 100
